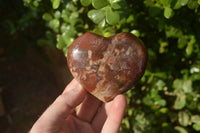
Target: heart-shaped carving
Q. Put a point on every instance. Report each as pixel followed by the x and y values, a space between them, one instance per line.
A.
pixel 106 67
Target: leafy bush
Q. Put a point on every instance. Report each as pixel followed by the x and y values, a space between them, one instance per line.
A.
pixel 168 97
pixel 19 27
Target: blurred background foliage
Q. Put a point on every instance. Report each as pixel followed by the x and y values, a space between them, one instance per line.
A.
pixel 168 97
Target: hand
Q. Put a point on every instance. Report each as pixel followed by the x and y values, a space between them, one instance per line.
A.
pixel 92 116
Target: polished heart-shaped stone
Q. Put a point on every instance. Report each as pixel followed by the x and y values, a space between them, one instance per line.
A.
pixel 106 67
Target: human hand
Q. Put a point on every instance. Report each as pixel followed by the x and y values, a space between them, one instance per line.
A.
pixel 92 116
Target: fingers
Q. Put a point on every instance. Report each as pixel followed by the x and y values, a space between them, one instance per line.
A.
pixel 72 96
pixel 57 113
pixel 88 108
pixel 115 115
pixel 77 126
pixel 115 112
pixel 100 117
pixel 71 86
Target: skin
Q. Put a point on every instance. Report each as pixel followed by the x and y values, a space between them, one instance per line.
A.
pixel 92 116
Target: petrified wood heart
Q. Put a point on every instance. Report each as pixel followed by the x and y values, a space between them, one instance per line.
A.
pixel 106 67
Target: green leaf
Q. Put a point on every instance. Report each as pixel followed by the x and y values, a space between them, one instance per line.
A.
pixel 192 4
pixel 160 102
pixel 65 15
pixel 195 119
pixel 187 86
pixel 86 2
pixel 189 49
pixel 130 19
pixel 172 31
pixel 196 127
pixel 55 23
pixel 199 2
pixel 179 3
pixel 57 14
pixel 113 1
pixel 164 110
pixel 60 42
pixel 96 16
pixel 180 101
pixel 68 29
pixel 182 41
pixel 107 34
pixel 177 84
pixel 56 4
pixel 195 69
pixel 166 2
pixel 67 38
pixel 47 17
pixel 180 129
pixel 160 84
pixel 135 32
pixel 163 46
pixel 182 85
pixel 119 4
pixel 150 78
pixel 102 23
pixel 116 6
pixel 98 4
pixel 112 17
pixel 74 15
pixel 183 118
pixel 184 2
pixel 36 3
pixel 70 41
pixel 168 12
pixel 71 7
pixel 147 101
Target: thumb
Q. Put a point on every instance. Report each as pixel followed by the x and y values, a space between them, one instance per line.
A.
pixel 72 96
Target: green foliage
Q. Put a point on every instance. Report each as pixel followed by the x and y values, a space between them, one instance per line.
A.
pixel 55 3
pixel 98 4
pixel 86 2
pixel 19 27
pixel 167 99
pixel 112 17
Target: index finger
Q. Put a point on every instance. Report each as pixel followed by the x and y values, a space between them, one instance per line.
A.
pixel 71 97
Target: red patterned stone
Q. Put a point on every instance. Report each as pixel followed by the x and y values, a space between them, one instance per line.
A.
pixel 106 67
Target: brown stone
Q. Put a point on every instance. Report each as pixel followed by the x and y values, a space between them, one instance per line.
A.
pixel 106 67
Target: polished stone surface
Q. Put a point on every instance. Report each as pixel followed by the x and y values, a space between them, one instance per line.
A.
pixel 106 67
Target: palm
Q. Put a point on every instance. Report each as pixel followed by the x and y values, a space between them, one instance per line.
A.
pixel 74 125
pixel 92 116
